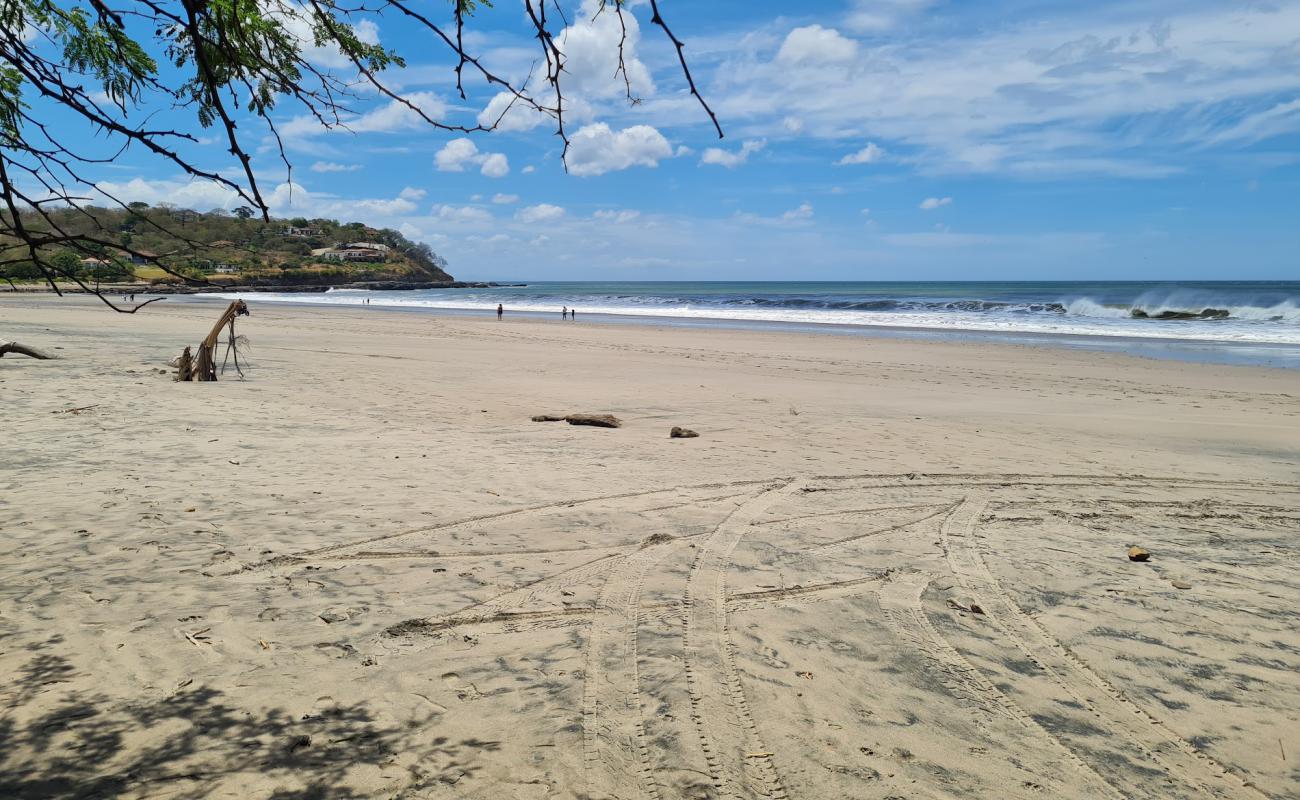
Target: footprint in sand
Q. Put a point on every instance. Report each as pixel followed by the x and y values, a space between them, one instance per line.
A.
pixel 464 690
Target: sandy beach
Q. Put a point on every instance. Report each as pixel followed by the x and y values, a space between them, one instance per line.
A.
pixel 884 569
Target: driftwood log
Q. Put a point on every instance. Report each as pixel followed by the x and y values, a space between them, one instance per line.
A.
pixel 203 366
pixel 23 350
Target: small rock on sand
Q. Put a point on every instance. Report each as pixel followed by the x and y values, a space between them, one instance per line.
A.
pixel 597 420
pixel 682 433
pixel 1137 554
pixel 1181 584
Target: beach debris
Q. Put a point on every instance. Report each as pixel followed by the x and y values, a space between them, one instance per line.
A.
pixel 296 743
pixel 1136 553
pixel 332 615
pixel 74 411
pixel 1179 584
pixel 961 604
pixel 23 350
pixel 681 433
pixel 656 538
pixel 198 638
pixel 763 754
pixel 805 674
pixel 548 418
pixel 203 367
pixel 595 420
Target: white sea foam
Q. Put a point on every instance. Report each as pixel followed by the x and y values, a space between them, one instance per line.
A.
pixel 1278 324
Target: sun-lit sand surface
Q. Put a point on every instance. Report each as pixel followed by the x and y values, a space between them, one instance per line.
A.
pixel 885 569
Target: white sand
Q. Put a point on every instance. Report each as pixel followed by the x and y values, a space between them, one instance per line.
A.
pixel 778 608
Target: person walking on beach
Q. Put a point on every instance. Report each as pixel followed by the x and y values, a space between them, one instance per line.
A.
pixel 564 313
pixel 500 310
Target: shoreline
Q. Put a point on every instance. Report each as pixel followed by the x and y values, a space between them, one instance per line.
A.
pixel 1229 353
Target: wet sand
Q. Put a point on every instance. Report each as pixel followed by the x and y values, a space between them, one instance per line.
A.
pixel 885 569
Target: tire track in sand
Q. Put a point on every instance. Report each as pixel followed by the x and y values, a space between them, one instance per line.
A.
pixel 616 755
pixel 1178 759
pixel 739 764
pixel 900 603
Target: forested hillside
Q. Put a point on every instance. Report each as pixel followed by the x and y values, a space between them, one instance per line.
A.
pixel 221 246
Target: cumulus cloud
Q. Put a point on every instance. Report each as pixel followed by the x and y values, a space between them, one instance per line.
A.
pixel 867 155
pixel 814 44
pixel 505 199
pixel 596 149
pixel 591 50
pixel 330 166
pixel 729 158
pixel 542 212
pixel 457 154
pixel 931 203
pixel 510 115
pixel 495 165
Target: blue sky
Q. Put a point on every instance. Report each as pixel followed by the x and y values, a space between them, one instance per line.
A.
pixel 866 139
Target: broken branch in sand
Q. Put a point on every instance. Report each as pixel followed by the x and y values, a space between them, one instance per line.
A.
pixel 23 350
pixel 204 367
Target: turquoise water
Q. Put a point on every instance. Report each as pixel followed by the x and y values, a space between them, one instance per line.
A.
pixel 1224 317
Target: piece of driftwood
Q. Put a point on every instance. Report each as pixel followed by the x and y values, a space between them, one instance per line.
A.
pixel 185 366
pixel 23 350
pixel 205 362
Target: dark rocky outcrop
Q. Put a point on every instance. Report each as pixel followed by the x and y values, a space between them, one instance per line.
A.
pixel 682 433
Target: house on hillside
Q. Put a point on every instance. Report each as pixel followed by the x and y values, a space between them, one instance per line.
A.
pixel 290 230
pixel 383 248
pixel 91 262
pixel 225 269
pixel 351 253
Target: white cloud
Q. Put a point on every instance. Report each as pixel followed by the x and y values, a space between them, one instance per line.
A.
pixel 505 199
pixel 626 215
pixel 528 170
pixel 590 49
pixel 460 153
pixel 731 159
pixel 296 21
pixel 510 116
pixel 814 44
pixel 804 211
pixel 867 155
pixel 1083 89
pixel 495 165
pixel 467 215
pixel 392 117
pixel 542 212
pixel 331 166
pixel 931 203
pixel 455 154
pixel 596 149
pixel 873 16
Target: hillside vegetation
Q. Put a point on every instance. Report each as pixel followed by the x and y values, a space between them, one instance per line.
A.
pixel 228 248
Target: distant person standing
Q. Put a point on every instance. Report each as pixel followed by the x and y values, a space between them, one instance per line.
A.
pixel 564 313
pixel 500 310
pixel 573 314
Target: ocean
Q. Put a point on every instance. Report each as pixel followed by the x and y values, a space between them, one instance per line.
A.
pixel 1255 322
